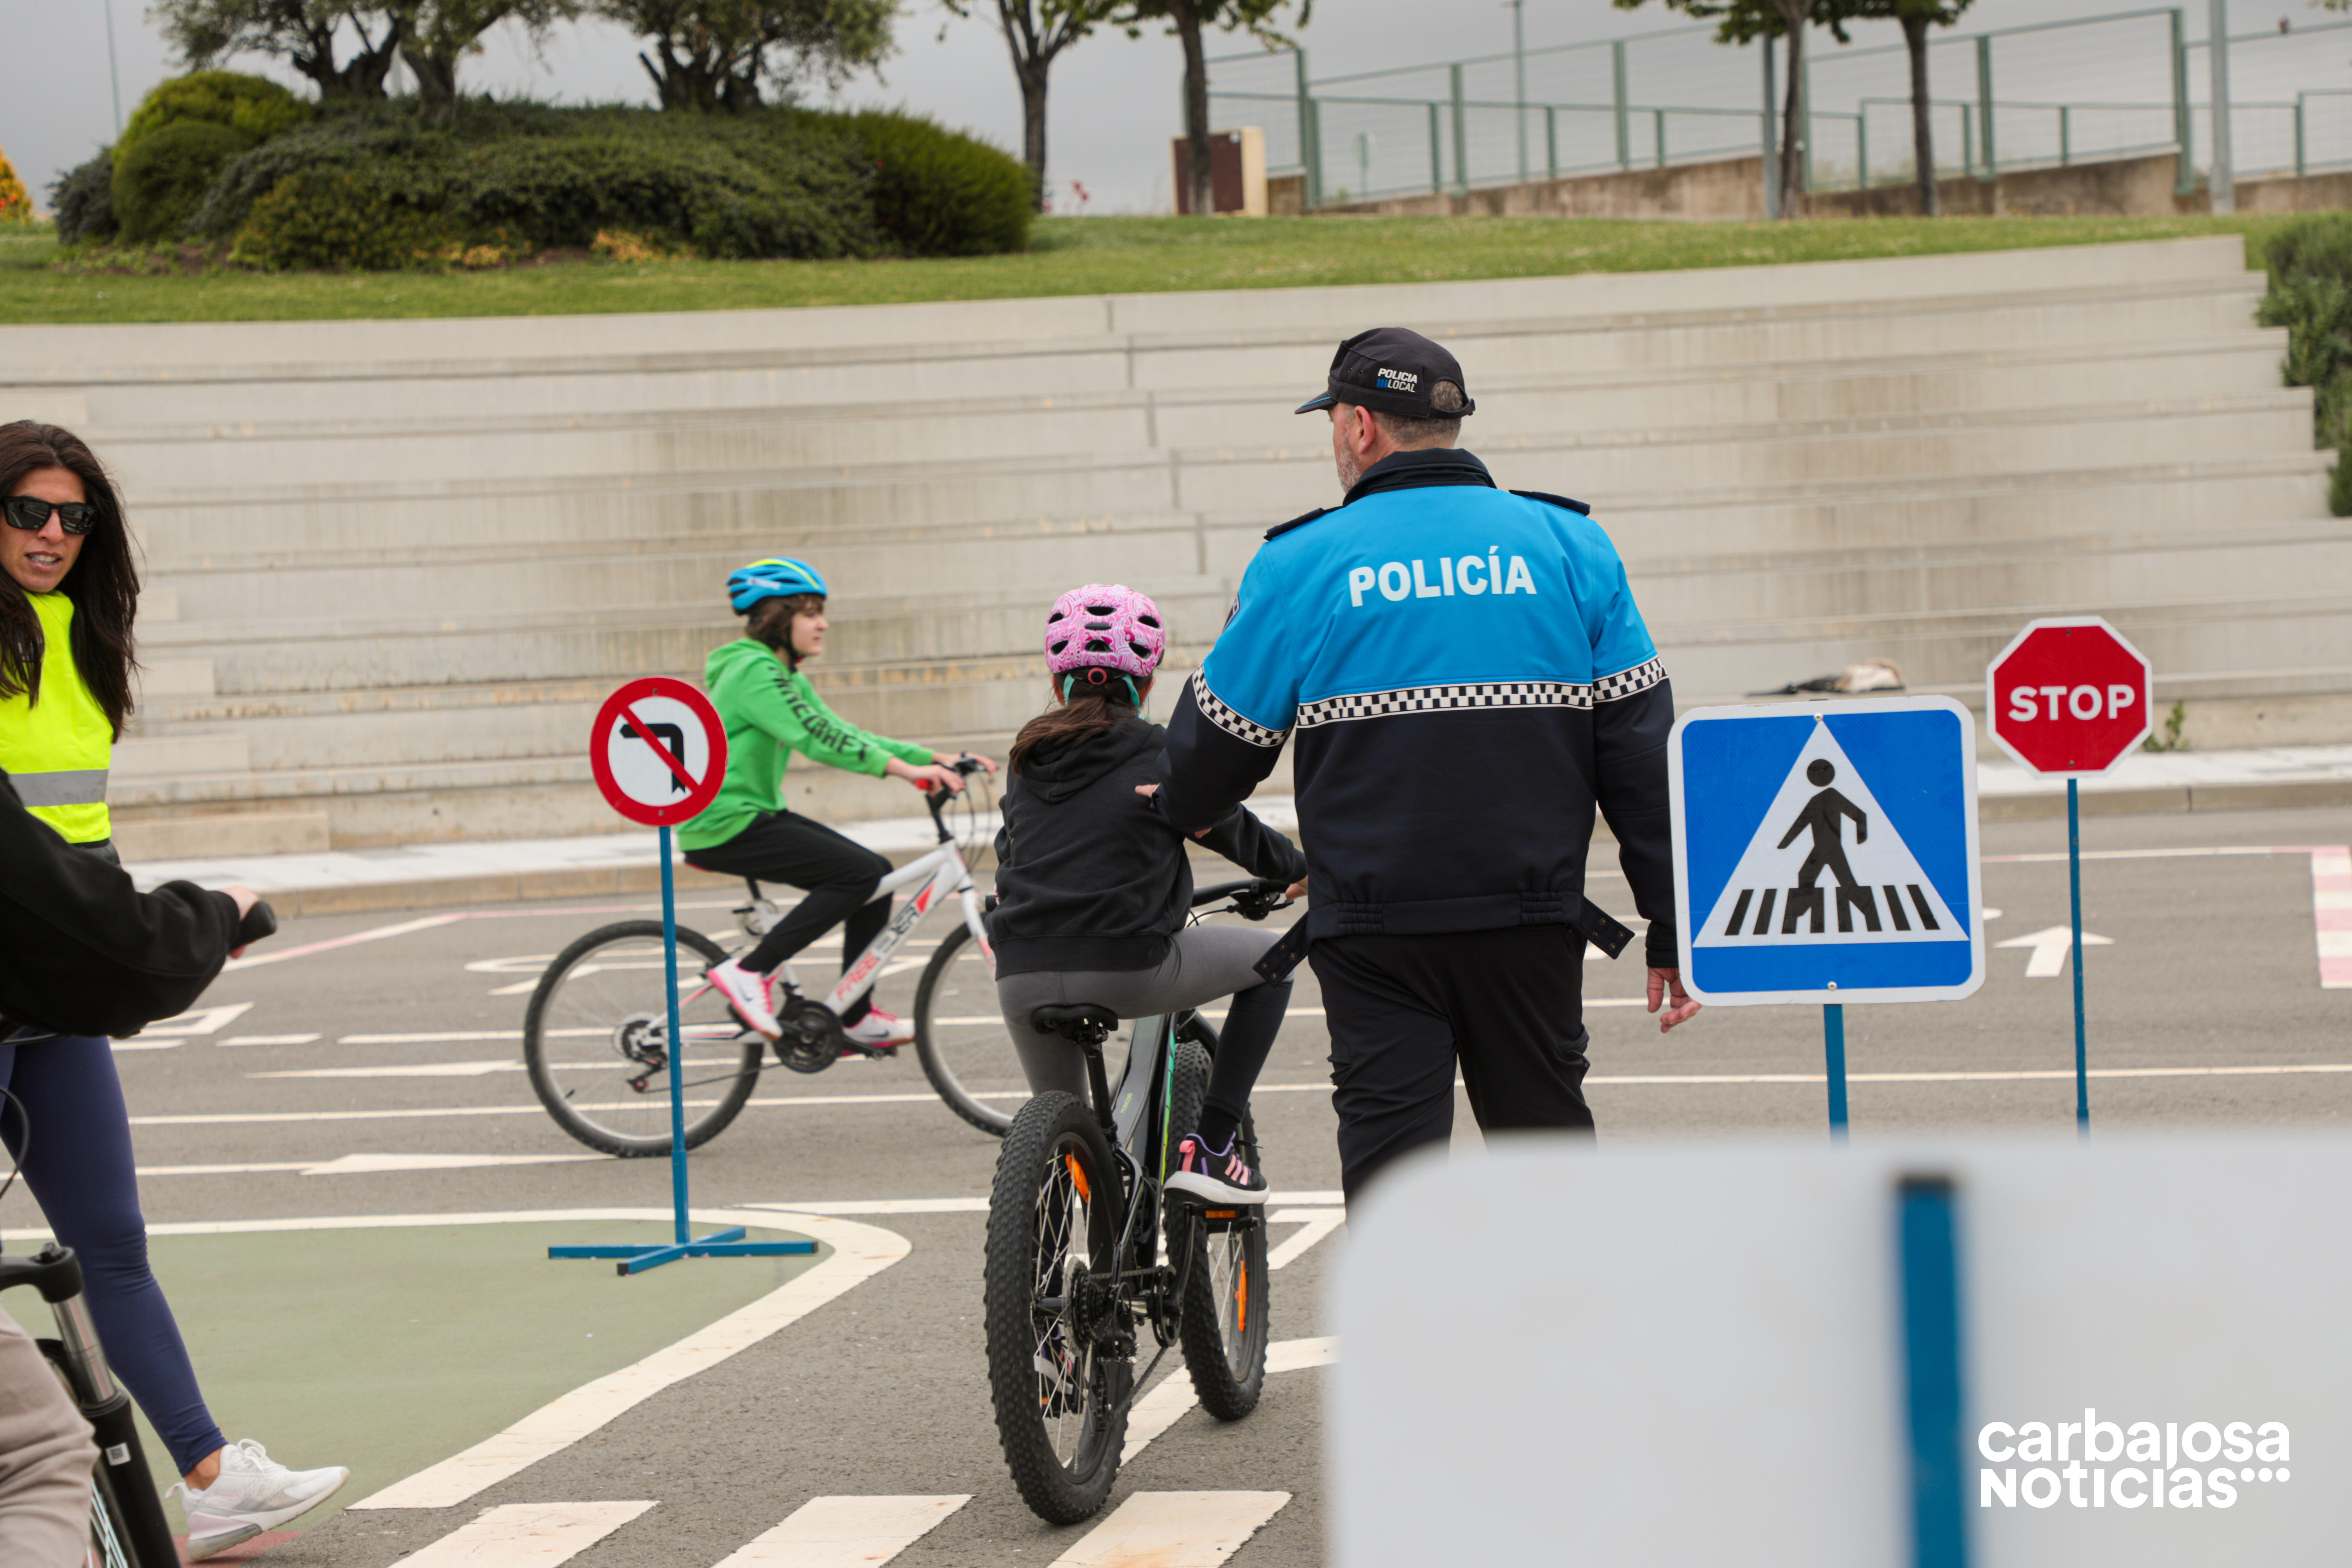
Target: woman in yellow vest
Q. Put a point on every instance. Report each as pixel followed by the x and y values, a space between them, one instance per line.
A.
pixel 69 591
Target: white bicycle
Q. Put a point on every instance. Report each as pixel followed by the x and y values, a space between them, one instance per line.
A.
pixel 595 1038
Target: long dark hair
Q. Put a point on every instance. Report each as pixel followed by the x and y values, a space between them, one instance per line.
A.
pixel 1086 702
pixel 103 582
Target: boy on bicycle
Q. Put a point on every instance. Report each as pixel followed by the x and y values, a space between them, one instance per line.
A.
pixel 1093 886
pixel 770 710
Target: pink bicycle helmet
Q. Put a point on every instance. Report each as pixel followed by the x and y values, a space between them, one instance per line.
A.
pixel 1104 626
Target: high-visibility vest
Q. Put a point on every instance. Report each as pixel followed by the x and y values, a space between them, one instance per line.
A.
pixel 56 750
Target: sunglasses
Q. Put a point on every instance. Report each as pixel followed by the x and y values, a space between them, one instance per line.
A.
pixel 32 514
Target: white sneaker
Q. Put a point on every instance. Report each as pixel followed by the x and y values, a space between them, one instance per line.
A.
pixel 880 1028
pixel 252 1493
pixel 746 991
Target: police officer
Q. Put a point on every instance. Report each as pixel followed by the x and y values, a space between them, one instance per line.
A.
pixel 1467 679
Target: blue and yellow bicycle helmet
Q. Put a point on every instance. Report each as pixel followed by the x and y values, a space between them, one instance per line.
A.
pixel 775 578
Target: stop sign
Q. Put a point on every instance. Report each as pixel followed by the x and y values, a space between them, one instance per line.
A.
pixel 2068 698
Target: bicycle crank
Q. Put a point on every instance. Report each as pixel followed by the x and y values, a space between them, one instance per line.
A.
pixel 812 1039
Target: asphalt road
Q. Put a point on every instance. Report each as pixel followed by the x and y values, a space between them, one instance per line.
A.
pixel 880 1391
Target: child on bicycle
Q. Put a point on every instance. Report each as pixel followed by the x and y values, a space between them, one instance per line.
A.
pixel 1093 886
pixel 770 710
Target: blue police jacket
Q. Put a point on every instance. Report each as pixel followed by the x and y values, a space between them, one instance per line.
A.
pixel 1465 678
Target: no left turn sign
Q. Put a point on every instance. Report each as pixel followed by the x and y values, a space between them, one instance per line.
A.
pixel 658 751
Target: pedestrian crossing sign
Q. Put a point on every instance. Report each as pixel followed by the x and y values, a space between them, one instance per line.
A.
pixel 1827 853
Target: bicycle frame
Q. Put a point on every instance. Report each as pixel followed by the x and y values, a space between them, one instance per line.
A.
pixel 943 874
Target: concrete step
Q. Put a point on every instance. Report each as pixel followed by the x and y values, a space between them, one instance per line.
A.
pixel 156 757
pixel 2099 369
pixel 139 836
pixel 228 457
pixel 203 354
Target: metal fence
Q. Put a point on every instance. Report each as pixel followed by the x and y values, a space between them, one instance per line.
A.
pixel 2129 84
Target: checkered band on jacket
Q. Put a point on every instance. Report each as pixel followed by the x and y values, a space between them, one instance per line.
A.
pixel 1234 724
pixel 1626 682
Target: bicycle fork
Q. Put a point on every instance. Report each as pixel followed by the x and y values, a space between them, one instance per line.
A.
pixel 122 1474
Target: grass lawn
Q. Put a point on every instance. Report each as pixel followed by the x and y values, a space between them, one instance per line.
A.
pixel 1068 255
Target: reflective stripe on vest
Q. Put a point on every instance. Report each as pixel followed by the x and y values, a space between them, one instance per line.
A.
pixel 56 750
pixel 78 787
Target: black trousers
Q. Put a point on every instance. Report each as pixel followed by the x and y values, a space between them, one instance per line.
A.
pixel 1504 1007
pixel 837 873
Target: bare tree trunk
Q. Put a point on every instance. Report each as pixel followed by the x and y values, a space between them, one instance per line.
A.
pixel 437 85
pixel 1033 126
pixel 1923 130
pixel 1202 184
pixel 1792 122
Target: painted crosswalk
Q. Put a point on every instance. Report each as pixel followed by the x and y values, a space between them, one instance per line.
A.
pixel 526 1535
pixel 846 1532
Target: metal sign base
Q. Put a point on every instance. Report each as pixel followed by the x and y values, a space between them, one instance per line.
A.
pixel 637 1258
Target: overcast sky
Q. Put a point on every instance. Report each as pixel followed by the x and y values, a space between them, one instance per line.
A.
pixel 1114 103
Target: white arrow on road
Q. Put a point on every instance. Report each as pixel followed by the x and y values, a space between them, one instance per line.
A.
pixel 2050 948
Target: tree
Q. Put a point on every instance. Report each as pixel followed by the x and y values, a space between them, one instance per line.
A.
pixel 303 33
pixel 1188 19
pixel 1916 17
pixel 437 34
pixel 709 55
pixel 1035 31
pixel 1744 21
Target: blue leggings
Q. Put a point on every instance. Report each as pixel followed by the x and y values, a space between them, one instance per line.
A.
pixel 82 1175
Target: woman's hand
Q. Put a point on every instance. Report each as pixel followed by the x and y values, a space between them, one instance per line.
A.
pixel 946 760
pixel 927 779
pixel 245 898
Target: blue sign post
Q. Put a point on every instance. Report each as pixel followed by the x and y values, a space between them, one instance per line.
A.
pixel 658 753
pixel 1827 853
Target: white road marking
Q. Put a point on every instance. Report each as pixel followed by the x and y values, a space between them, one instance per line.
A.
pixel 1172 1395
pixel 1174 1530
pixel 2331 914
pixel 267 1039
pixel 1316 1224
pixel 241 1119
pixel 440 1037
pixel 331 943
pixel 844 1532
pixel 861 1251
pixel 369 1164
pixel 526 1535
pixel 2051 945
pixel 166 1033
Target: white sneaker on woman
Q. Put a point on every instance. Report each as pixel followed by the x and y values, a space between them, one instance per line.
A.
pixel 252 1493
pixel 880 1028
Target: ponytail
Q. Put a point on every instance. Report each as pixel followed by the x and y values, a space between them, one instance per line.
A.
pixel 1087 705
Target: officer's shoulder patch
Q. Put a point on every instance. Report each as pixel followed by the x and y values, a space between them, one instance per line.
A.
pixel 1280 530
pixel 1578 507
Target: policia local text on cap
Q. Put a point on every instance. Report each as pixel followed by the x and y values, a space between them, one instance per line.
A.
pixel 1467 679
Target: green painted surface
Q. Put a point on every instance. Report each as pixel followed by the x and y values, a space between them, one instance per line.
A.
pixel 389 1350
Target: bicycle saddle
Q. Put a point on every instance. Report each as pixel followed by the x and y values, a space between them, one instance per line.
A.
pixel 1084 1024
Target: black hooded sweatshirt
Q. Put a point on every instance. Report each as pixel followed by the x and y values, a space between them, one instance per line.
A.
pixel 1090 874
pixel 82 950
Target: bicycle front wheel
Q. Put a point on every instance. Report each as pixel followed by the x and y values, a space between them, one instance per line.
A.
pixel 1051 1299
pixel 1223 1323
pixel 960 1037
pixel 596 1041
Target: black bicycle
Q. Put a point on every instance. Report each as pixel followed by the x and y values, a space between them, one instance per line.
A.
pixel 128 1528
pixel 1076 1267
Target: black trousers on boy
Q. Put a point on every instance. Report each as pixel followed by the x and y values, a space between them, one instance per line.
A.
pixel 837 873
pixel 1504 1007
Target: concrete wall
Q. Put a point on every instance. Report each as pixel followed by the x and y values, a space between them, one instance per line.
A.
pixel 1732 189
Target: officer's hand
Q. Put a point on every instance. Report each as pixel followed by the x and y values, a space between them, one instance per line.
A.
pixel 1297 889
pixel 1148 790
pixel 1669 982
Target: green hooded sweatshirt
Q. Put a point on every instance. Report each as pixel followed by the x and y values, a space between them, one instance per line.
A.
pixel 770 710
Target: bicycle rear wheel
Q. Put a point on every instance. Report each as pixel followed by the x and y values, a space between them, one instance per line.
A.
pixel 1050 1294
pixel 1223 1323
pixel 596 1041
pixel 960 1037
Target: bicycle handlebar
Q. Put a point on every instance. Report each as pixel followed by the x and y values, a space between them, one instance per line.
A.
pixel 259 921
pixel 53 1271
pixel 1253 899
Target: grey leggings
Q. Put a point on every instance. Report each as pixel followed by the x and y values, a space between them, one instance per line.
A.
pixel 1204 962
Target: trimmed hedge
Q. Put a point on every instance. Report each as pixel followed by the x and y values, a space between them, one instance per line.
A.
pixel 775 183
pixel 254 105
pixel 937 192
pixel 2311 295
pixel 159 181
pixel 82 198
